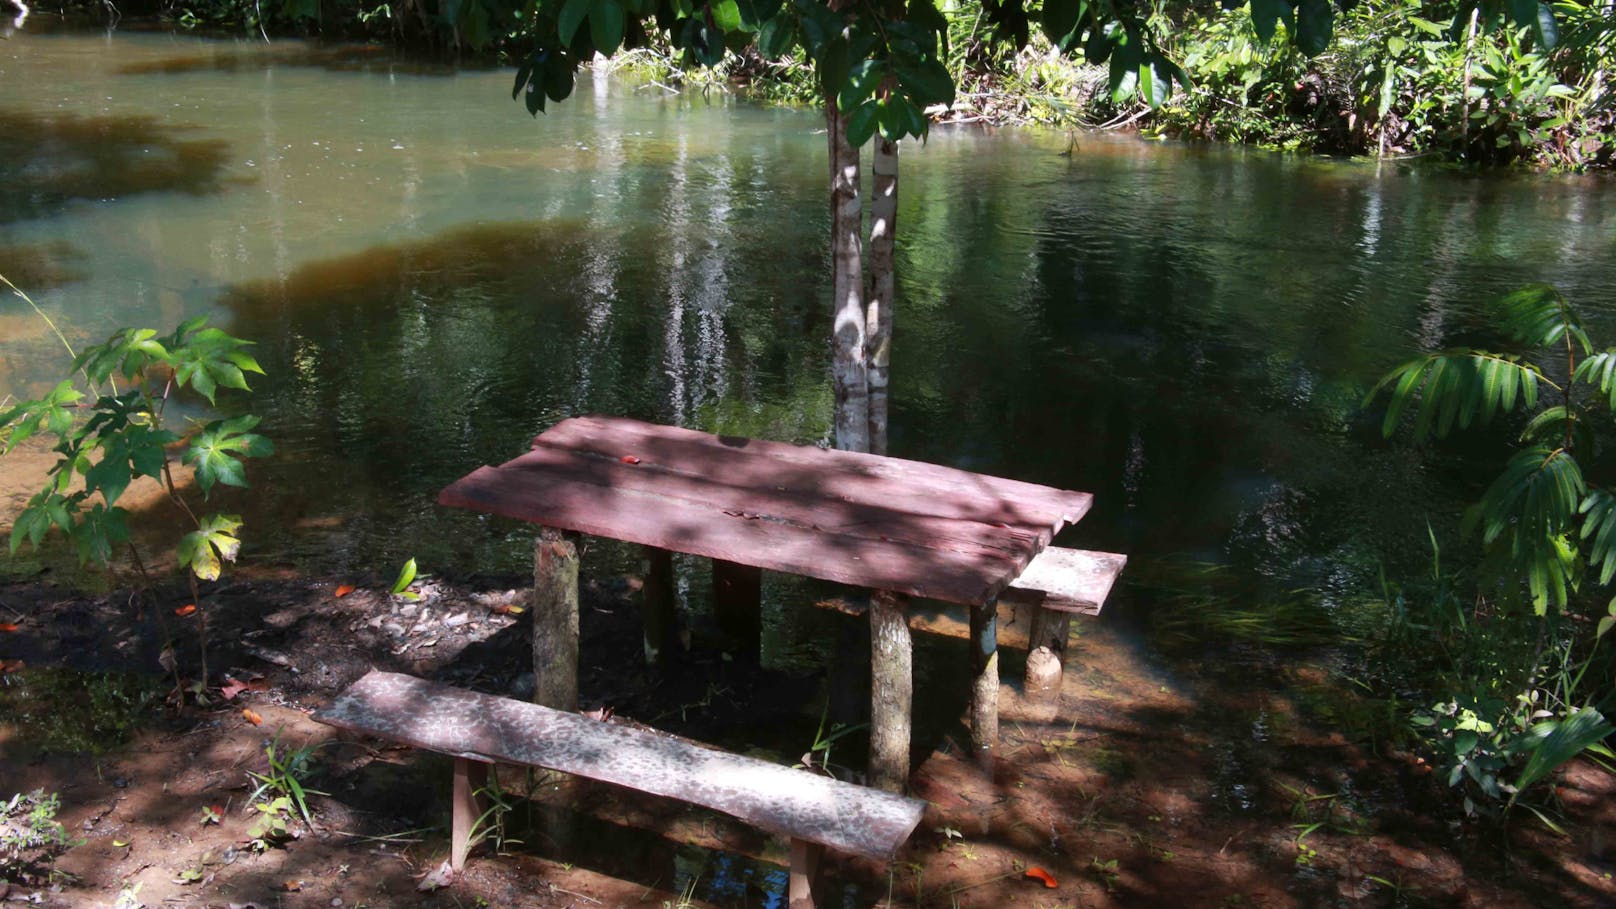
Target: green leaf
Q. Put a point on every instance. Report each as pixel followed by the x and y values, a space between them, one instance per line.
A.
pixel 1060 18
pixel 1599 527
pixel 834 65
pixel 775 37
pixel 862 81
pixel 570 18
pixel 928 82
pixel 1569 738
pixel 1266 14
pixel 862 123
pixel 1315 20
pixel 1124 75
pixel 406 577
pixel 1538 316
pixel 606 26
pixel 215 452
pixel 726 15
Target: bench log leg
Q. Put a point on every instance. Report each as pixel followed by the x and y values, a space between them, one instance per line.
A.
pixel 1046 654
pixel 985 688
pixel 738 605
pixel 555 621
pixel 469 777
pixel 804 871
pixel 656 608
pixel 892 691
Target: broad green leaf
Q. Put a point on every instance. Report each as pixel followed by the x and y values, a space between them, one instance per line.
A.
pixel 1569 738
pixel 1315 19
pixel 775 37
pixel 862 81
pixel 834 65
pixel 406 577
pixel 1124 74
pixel 1060 18
pixel 214 542
pixel 1266 15
pixel 606 26
pixel 862 123
pixel 928 81
pixel 570 18
pixel 726 15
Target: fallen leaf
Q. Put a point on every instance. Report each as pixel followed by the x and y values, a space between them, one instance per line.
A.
pixel 7 626
pixel 120 843
pixel 1040 874
pixel 442 877
pixel 629 459
pixel 185 610
pixel 292 886
pixel 508 609
pixel 345 589
pixel 231 688
pixel 10 666
pixel 252 717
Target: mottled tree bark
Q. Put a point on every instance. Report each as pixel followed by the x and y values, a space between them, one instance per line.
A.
pixel 555 620
pixel 892 691
pixel 848 356
pixel 985 688
pixel 883 286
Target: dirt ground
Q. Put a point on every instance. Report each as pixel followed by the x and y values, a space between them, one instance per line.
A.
pixel 1149 784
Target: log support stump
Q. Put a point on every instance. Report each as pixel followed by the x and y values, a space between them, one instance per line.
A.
pixel 1046 658
pixel 738 606
pixel 555 620
pixel 470 778
pixel 892 691
pixel 985 685
pixel 656 605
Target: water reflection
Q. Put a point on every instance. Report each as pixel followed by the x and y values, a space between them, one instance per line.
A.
pixel 49 161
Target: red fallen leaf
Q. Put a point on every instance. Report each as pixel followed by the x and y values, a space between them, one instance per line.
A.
pixel 1040 874
pixel 509 609
pixel 629 459
pixel 7 626
pixel 10 666
pixel 345 589
pixel 292 886
pixel 185 610
pixel 252 717
pixel 231 688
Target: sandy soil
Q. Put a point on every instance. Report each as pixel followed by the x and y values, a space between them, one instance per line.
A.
pixel 1149 784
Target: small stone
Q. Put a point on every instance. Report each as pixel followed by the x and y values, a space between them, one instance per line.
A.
pixel 459 618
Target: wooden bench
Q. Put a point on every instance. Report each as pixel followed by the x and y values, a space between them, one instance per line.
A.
pixel 480 729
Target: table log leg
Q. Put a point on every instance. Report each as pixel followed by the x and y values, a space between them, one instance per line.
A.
pixel 738 605
pixel 985 689
pixel 656 609
pixel 892 689
pixel 469 778
pixel 1046 652
pixel 804 869
pixel 555 620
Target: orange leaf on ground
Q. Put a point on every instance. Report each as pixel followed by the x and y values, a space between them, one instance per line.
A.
pixel 10 666
pixel 345 589
pixel 508 609
pixel 185 610
pixel 231 688
pixel 629 459
pixel 1040 874
pixel 7 626
pixel 252 717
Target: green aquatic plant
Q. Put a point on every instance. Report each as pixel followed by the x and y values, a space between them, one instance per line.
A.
pixel 109 418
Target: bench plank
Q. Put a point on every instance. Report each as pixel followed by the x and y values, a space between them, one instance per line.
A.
pixel 778 799
pixel 1067 580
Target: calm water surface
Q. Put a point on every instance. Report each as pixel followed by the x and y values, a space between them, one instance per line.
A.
pixel 433 277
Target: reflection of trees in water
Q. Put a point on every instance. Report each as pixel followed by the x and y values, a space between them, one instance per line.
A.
pixel 50 161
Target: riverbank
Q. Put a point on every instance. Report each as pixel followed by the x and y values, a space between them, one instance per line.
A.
pixel 1147 785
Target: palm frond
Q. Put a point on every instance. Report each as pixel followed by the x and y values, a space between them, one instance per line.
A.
pixel 1550 422
pixel 1527 514
pixel 1454 388
pixel 1599 525
pixel 1599 370
pixel 1537 316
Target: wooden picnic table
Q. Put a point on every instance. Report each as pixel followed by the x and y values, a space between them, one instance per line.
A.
pixel 897 527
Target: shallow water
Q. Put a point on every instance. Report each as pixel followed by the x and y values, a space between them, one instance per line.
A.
pixel 433 277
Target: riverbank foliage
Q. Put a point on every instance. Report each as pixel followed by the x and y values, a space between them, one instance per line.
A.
pixel 1400 79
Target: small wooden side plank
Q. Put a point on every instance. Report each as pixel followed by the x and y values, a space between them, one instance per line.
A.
pixel 804 871
pixel 1067 580
pixel 791 803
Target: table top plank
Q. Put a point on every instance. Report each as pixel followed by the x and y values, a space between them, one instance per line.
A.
pixel 792 803
pixel 645 518
pixel 860 519
pixel 915 485
pixel 754 488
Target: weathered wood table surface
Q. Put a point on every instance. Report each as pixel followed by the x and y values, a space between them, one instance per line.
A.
pixel 899 528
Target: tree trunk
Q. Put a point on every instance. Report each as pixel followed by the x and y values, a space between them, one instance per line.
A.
pixel 848 364
pixel 555 620
pixel 883 283
pixel 892 692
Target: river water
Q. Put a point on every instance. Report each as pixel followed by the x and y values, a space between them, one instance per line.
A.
pixel 432 277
